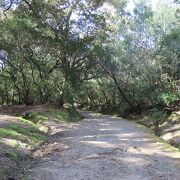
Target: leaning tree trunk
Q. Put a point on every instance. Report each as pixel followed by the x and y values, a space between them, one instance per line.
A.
pixel 131 105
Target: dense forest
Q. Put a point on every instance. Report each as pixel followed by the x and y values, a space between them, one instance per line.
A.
pixel 92 53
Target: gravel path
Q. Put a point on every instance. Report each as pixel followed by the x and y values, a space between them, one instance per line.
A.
pixel 105 148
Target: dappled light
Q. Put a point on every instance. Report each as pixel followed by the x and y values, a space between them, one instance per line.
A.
pixel 119 150
pixel 99 146
pixel 15 143
pixel 89 89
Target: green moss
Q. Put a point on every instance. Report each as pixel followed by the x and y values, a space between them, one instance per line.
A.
pixel 166 145
pixel 35 117
pixel 73 113
pixel 60 115
pixel 38 125
pixel 23 178
pixel 13 155
pixel 148 130
pixel 2 173
pixel 27 122
pixel 155 139
pixel 27 133
pixel 4 132
pixel 69 114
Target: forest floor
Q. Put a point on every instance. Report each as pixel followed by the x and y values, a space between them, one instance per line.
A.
pixel 103 147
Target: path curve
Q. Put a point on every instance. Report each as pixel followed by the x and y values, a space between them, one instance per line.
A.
pixel 102 147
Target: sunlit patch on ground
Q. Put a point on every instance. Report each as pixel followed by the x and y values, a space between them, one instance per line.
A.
pixel 100 144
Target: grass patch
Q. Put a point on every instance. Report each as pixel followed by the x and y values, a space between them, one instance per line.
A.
pixel 27 133
pixel 4 132
pixel 35 117
pixel 68 114
pixel 60 115
pixel 27 122
pixel 18 135
pixel 14 132
pixel 13 155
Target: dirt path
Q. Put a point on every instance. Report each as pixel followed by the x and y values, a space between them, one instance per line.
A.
pixel 104 148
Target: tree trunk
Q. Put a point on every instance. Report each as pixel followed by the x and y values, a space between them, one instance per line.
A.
pixel 134 109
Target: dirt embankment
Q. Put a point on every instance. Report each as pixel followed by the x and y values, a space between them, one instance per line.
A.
pixel 28 138
pixel 168 130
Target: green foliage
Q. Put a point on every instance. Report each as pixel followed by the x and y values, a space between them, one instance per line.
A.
pixel 112 60
pixel 157 116
pixel 40 53
pixel 168 98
